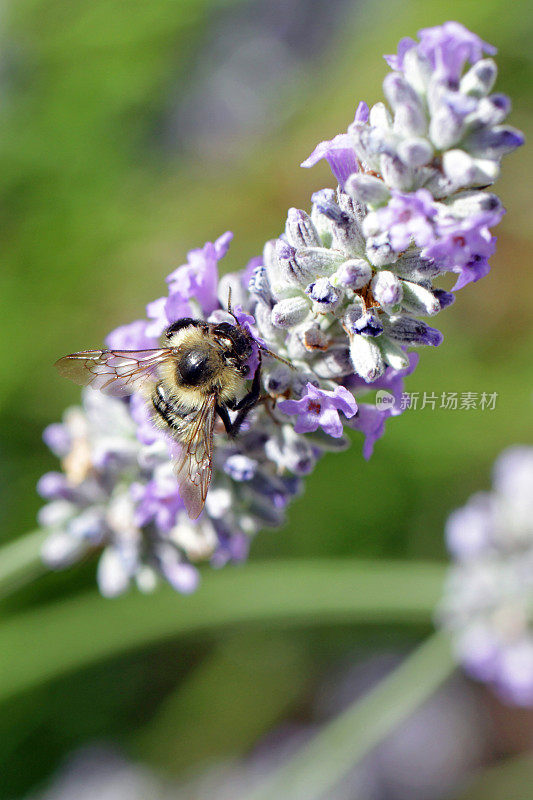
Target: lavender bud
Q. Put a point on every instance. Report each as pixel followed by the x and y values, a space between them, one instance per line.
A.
pixel 412 331
pixel 445 298
pixel 290 312
pixel 218 502
pixel 393 355
pixel 112 573
pixel 325 296
pixel 410 119
pixel 270 259
pixel 324 202
pixel 380 117
pixel 463 170
pixel 259 284
pixel 493 143
pixel 55 514
pixel 348 238
pixel 367 189
pixel 368 144
pixel 353 313
pixel 291 451
pixel 491 110
pixel 333 364
pixel 395 173
pixel 61 550
pixel 480 78
pixel 353 274
pixel 415 152
pixel 278 380
pixel 300 229
pixel 240 467
pixel 52 485
pixel 296 349
pixel 471 203
pixel 366 358
pixel 367 325
pixel 419 300
pixel 355 210
pixel 446 127
pixel 316 261
pixel 417 70
pixel 288 272
pixel 263 317
pixel 379 251
pixel 386 288
pixel 88 525
pixel 322 225
pixel 413 267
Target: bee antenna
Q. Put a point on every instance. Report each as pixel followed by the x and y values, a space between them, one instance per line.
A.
pixel 230 309
pixel 275 355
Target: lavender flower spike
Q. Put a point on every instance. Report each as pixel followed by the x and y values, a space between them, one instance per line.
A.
pixel 339 296
pixel 487 600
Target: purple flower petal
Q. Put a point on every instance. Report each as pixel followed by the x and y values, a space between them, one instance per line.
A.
pixel 133 336
pixel 339 151
pixel 198 278
pixel 321 408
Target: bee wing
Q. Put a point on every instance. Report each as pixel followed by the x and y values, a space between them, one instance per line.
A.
pixel 115 372
pixel 194 464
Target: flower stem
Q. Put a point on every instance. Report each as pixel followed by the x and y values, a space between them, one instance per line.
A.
pixel 20 561
pixel 82 630
pixel 322 763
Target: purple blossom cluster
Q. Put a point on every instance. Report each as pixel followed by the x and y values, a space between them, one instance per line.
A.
pixel 487 601
pixel 339 295
pixel 420 164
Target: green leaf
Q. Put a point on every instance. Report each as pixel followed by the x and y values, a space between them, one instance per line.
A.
pixel 20 561
pixel 322 763
pixel 50 641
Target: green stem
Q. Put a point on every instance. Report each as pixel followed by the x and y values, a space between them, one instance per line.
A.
pixel 20 561
pixel 49 641
pixel 322 763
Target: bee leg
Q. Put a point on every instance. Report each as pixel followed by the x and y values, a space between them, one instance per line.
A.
pixel 224 416
pixel 245 405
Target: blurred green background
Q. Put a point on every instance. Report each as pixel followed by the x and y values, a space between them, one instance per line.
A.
pixel 132 131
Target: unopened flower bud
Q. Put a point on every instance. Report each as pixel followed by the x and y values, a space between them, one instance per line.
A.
pixel 290 312
pixel 480 78
pixel 419 300
pixel 366 358
pixel 300 230
pixel 386 288
pixel 367 189
pixel 407 330
pixel 353 274
pixel 324 296
pixel 392 354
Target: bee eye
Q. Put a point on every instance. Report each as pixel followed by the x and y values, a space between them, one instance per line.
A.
pixel 225 342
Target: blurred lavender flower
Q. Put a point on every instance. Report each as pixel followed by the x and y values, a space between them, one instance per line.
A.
pixel 339 295
pixel 487 602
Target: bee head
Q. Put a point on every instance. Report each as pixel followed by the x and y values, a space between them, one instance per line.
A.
pixel 234 341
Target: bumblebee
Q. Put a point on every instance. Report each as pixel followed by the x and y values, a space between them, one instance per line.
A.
pixel 199 373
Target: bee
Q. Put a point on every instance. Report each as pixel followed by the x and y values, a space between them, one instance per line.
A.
pixel 199 373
